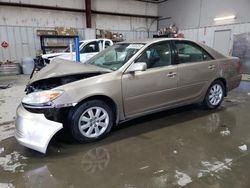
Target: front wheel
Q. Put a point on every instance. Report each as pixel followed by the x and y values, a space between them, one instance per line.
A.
pixel 214 95
pixel 91 121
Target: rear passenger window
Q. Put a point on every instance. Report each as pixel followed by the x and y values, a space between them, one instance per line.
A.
pixel 189 53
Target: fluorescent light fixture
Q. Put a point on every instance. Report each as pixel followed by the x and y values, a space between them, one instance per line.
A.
pixel 225 18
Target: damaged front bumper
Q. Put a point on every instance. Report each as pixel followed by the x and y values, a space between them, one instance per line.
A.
pixel 34 130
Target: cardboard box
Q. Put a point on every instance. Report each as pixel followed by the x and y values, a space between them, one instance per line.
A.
pixel 108 35
pixel 66 31
pixel 51 44
pixel 60 30
pixel 46 32
pixel 71 31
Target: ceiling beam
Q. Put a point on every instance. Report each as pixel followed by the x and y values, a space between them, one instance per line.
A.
pixel 88 13
pixel 153 1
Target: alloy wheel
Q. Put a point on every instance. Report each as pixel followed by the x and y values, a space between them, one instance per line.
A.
pixel 215 94
pixel 93 122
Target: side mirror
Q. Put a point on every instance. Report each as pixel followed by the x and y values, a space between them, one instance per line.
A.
pixel 140 66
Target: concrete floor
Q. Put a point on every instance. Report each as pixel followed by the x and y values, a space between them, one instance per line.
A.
pixel 185 147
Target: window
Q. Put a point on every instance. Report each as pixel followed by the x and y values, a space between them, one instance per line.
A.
pixel 157 55
pixel 189 52
pixel 91 47
pixel 107 44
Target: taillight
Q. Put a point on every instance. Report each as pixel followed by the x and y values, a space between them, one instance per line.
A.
pixel 239 64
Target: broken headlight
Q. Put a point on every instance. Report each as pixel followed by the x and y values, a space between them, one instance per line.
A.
pixel 43 98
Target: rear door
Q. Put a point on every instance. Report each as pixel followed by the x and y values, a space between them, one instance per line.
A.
pixel 153 88
pixel 196 69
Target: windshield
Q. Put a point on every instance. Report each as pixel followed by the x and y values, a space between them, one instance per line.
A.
pixel 115 56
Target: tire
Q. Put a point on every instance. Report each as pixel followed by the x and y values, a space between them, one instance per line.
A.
pixel 91 121
pixel 215 95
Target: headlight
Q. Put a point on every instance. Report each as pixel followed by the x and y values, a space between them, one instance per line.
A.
pixel 41 97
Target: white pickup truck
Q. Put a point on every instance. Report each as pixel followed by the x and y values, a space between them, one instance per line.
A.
pixel 88 48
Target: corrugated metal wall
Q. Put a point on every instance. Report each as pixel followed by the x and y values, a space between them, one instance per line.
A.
pixel 23 41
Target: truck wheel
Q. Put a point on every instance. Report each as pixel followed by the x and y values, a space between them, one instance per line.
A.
pixel 91 121
pixel 214 95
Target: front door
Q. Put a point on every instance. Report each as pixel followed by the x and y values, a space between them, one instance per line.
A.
pixel 153 88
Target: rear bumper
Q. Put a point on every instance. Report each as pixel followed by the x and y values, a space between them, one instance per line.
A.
pixel 234 82
pixel 34 130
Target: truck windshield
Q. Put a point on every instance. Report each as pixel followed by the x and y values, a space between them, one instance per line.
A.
pixel 115 56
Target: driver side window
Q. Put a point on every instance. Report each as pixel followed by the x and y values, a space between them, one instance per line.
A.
pixel 156 55
pixel 92 47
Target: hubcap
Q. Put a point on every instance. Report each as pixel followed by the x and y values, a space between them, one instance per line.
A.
pixel 93 122
pixel 215 94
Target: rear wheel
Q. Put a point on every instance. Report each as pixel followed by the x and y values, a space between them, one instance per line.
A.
pixel 214 95
pixel 91 121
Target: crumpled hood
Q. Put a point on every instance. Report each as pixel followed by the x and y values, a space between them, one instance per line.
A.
pixel 61 67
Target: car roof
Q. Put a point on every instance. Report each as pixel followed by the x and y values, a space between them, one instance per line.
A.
pixel 90 40
pixel 149 41
pixel 153 40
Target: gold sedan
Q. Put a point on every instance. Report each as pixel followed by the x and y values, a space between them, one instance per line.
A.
pixel 125 81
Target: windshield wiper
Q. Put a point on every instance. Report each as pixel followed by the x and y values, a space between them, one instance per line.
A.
pixel 112 62
pixel 98 65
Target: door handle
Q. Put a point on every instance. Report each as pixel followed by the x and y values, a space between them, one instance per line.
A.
pixel 171 74
pixel 211 67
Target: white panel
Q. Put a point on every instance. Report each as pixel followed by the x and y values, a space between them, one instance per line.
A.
pixel 201 13
pixel 12 43
pixel 123 23
pixel 127 6
pixel 18 43
pixel 185 14
pixel 1 40
pixel 243 28
pixel 81 33
pixel 40 18
pixel 4 37
pixel 89 34
pixel 222 41
pixel 191 34
pixel 214 8
pixel 24 42
pixel 36 40
pixel 31 41
pixel 60 3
